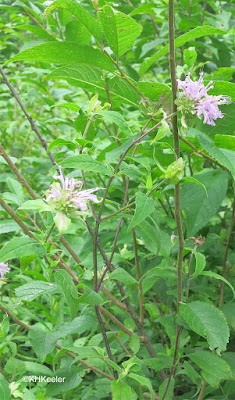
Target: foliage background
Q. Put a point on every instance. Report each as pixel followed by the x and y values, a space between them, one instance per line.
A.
pixel 60 59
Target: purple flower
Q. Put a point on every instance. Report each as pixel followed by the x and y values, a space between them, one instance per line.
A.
pixel 67 195
pixel 3 269
pixel 199 102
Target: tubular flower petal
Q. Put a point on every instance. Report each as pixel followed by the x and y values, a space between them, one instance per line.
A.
pixel 201 103
pixel 3 269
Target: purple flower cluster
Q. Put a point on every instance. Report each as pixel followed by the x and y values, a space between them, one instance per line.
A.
pixel 201 102
pixel 3 269
pixel 67 195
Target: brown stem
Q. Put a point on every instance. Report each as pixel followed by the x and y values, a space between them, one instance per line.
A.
pixel 116 336
pixel 226 254
pixel 138 277
pixel 28 116
pixel 204 155
pixel 115 321
pixel 177 186
pixel 202 391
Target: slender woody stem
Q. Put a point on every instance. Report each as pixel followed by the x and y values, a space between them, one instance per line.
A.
pixel 177 186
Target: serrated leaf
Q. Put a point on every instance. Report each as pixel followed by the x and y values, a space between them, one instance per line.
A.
pixel 229 312
pixel 43 343
pixel 65 281
pixel 120 30
pixel 32 290
pixel 71 381
pixel 180 41
pixel 208 322
pixel 120 391
pixel 36 205
pixel 154 90
pixel 86 163
pixel 80 13
pixel 90 78
pixel 20 247
pixel 144 208
pixel 214 368
pixel 135 343
pixel 200 206
pixel 119 274
pixel 225 142
pixel 65 53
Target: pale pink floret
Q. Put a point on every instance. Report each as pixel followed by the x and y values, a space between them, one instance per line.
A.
pixel 205 105
pixel 70 194
pixel 3 269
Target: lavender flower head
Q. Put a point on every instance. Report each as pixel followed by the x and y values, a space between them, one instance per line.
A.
pixel 196 100
pixel 67 195
pixel 3 269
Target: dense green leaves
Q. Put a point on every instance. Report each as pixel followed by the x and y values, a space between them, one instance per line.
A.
pixel 180 41
pixel 5 391
pixel 214 368
pixel 207 321
pixel 120 391
pixel 20 247
pixel 80 13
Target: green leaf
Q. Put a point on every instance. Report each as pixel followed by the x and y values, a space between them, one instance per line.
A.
pixel 65 281
pixel 191 373
pixel 36 205
pixel 119 274
pixel 90 297
pixel 190 56
pixel 220 277
pixel 154 90
pixel 222 87
pixel 214 368
pixel 90 78
pixel 208 322
pixel 225 142
pixel 143 381
pixel 65 53
pixel 144 207
pixel 8 225
pixel 120 391
pixel 198 206
pixel 191 179
pixel 229 312
pixel 32 290
pixel 225 157
pixel 120 30
pixel 71 381
pixel 198 32
pixel 200 263
pixel 20 247
pixel 114 117
pixel 37 369
pixel 80 13
pixel 16 188
pixel 86 163
pixel 62 142
pixel 151 235
pixel 135 343
pixel 170 392
pixel 43 343
pixel 5 393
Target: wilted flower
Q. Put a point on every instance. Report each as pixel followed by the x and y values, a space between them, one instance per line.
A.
pixel 3 269
pixel 196 100
pixel 68 200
